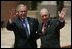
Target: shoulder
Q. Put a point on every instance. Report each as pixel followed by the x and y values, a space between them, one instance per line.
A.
pixel 53 20
pixel 33 19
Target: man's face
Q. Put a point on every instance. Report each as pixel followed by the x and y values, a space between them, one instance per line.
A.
pixel 44 15
pixel 22 11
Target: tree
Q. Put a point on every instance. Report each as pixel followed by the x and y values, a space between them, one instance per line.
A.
pixel 60 5
pixel 34 5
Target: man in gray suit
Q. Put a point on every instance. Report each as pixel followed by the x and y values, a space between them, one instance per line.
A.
pixel 50 28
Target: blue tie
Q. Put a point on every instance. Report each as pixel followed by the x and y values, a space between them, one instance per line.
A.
pixel 26 28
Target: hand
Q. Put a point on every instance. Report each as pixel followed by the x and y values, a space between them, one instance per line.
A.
pixel 62 13
pixel 13 14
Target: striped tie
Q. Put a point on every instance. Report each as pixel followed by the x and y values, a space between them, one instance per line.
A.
pixel 26 28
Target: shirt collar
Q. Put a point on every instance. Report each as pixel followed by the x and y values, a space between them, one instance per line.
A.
pixel 23 19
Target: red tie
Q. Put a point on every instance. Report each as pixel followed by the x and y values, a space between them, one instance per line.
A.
pixel 44 28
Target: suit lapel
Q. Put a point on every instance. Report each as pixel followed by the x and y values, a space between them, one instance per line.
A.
pixel 19 24
pixel 47 27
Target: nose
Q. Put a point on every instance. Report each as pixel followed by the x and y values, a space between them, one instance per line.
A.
pixel 23 12
pixel 44 17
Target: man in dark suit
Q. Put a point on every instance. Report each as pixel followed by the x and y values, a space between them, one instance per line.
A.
pixel 50 29
pixel 23 27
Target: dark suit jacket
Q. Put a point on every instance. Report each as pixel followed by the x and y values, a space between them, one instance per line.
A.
pixel 51 38
pixel 21 40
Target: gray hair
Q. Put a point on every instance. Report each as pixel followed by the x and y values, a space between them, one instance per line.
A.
pixel 20 5
pixel 44 10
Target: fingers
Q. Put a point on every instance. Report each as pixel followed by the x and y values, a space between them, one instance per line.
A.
pixel 17 13
pixel 64 10
pixel 13 14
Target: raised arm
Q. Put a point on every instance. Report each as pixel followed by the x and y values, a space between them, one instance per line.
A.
pixel 62 18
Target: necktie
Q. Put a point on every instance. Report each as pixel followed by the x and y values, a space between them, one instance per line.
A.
pixel 44 28
pixel 26 28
